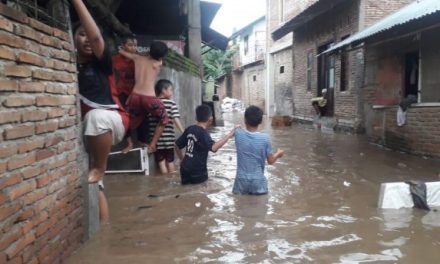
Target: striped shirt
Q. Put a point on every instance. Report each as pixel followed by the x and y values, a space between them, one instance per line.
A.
pixel 166 140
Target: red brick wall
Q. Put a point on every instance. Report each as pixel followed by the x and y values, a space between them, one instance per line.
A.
pixel 420 135
pixel 40 191
pixel 375 10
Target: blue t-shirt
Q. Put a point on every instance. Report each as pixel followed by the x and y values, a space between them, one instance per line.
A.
pixel 198 143
pixel 253 148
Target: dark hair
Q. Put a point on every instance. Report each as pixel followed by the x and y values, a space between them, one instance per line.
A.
pixel 203 113
pixel 161 85
pixel 253 116
pixel 158 50
pixel 75 26
pixel 125 38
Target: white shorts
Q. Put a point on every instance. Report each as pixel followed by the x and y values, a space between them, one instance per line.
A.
pixel 100 121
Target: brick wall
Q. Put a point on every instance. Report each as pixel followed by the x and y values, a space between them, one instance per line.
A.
pixel 329 27
pixel 41 198
pixel 420 135
pixel 253 86
pixel 376 10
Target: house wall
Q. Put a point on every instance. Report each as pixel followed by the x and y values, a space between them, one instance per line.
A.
pixel 320 31
pixel 384 85
pixel 42 159
pixel 282 82
pixel 253 79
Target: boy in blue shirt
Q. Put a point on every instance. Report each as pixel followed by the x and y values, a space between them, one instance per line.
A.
pixel 198 143
pixel 253 149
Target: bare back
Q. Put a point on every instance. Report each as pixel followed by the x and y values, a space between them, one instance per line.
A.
pixel 146 71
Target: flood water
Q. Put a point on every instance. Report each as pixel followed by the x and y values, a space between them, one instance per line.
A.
pixel 322 208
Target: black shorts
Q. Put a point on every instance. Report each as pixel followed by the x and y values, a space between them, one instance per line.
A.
pixel 164 154
pixel 189 177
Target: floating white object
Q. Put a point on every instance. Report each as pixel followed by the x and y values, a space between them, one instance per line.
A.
pixel 395 195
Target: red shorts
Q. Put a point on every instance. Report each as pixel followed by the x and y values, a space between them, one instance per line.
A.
pixel 140 106
pixel 164 154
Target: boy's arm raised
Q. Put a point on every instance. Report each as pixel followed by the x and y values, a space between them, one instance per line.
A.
pixel 92 30
pixel 273 157
pixel 217 145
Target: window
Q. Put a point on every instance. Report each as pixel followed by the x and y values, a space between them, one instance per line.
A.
pixel 412 74
pixel 282 69
pixel 309 70
pixel 246 45
pixel 255 78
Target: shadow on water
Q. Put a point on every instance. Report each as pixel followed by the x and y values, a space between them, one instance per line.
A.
pixel 321 209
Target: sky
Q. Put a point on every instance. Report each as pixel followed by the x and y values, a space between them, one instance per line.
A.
pixel 237 14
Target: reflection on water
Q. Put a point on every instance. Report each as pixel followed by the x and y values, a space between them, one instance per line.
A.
pixel 321 209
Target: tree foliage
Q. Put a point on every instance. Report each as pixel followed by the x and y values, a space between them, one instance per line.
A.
pixel 217 62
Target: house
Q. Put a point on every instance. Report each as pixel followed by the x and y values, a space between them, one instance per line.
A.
pixel 401 60
pixel 246 81
pixel 316 28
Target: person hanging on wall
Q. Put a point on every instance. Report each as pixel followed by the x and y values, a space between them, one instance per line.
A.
pixel 105 120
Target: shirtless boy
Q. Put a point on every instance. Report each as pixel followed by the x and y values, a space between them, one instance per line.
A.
pixel 143 101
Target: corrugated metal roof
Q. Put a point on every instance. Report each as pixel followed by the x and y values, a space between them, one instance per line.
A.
pixel 405 15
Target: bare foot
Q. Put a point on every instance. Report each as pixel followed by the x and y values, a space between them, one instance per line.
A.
pixel 128 147
pixel 95 175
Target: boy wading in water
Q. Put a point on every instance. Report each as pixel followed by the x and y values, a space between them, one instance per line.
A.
pixel 143 101
pixel 253 149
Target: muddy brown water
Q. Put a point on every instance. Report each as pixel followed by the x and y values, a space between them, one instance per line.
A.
pixel 322 208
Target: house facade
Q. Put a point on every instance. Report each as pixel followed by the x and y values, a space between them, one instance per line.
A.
pixel 317 27
pixel 401 58
pixel 246 81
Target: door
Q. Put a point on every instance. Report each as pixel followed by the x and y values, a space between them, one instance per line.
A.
pixel 326 76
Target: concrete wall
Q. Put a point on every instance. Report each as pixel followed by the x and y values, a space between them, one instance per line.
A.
pixel 187 93
pixel 282 82
pixel 253 83
pixel 42 160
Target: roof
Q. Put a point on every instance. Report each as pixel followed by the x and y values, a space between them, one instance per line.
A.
pixel 235 34
pixel 210 37
pixel 316 9
pixel 169 18
pixel 408 14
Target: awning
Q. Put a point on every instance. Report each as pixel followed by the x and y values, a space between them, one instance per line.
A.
pixel 316 9
pixel 406 15
pixel 210 37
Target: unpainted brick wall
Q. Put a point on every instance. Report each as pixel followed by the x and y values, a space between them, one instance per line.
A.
pixel 41 198
pixel 420 134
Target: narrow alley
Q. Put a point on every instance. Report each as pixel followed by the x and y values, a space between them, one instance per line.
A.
pixel 321 208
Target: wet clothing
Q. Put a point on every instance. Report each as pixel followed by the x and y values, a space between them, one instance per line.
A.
pixel 198 143
pixel 139 106
pixel 167 139
pixel 98 91
pixel 164 154
pixel 253 148
pixel 123 71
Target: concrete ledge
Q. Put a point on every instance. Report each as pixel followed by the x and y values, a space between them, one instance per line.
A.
pixel 397 195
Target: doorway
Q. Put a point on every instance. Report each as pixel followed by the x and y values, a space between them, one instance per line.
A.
pixel 326 76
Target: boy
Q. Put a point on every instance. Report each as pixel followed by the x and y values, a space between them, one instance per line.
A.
pixel 253 148
pixel 123 71
pixel 143 101
pixel 165 146
pixel 198 143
